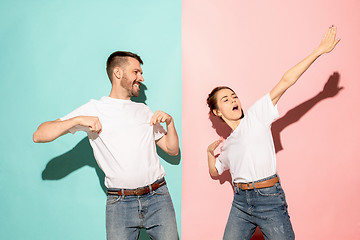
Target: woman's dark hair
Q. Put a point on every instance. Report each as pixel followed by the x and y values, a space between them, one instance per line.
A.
pixel 212 101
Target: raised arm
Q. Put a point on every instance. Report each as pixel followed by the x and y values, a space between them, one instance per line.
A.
pixel 170 141
pixel 327 44
pixel 51 130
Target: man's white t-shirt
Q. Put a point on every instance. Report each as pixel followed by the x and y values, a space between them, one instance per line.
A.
pixel 249 151
pixel 125 149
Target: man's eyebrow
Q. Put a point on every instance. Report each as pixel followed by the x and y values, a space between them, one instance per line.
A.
pixel 139 70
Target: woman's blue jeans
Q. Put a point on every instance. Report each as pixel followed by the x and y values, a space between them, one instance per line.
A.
pixel 264 207
pixel 126 215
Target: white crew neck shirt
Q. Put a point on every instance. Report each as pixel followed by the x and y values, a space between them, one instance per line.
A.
pixel 249 151
pixel 125 149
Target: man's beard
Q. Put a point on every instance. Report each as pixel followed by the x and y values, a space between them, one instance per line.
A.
pixel 129 86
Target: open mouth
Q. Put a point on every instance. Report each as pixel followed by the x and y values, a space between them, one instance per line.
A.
pixel 137 84
pixel 235 108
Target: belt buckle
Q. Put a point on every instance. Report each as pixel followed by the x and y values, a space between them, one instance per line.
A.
pixel 137 191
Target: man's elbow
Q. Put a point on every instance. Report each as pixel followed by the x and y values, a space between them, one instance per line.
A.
pixel 174 152
pixel 38 134
pixel 37 138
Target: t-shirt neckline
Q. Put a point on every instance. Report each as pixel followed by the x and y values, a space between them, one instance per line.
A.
pixel 111 99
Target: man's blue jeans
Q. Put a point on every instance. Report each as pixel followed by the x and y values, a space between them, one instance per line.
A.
pixel 264 207
pixel 154 212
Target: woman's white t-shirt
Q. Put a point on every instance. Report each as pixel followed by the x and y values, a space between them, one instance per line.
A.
pixel 249 151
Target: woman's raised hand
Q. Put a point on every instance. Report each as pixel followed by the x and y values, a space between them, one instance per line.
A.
pixel 329 41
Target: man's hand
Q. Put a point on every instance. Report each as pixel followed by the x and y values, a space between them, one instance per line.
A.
pixel 160 117
pixel 92 122
pixel 170 141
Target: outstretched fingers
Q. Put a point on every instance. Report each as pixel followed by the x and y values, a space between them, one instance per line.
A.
pixel 329 40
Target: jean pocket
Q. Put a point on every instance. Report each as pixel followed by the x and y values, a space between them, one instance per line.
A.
pixel 275 190
pixel 111 199
pixel 163 190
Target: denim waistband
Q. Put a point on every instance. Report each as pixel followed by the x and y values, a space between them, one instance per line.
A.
pixel 267 178
pixel 263 179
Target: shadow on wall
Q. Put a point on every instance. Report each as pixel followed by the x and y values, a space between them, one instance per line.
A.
pixel 142 96
pixel 82 155
pixel 330 89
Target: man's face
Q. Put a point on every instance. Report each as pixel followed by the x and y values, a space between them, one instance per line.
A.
pixel 132 77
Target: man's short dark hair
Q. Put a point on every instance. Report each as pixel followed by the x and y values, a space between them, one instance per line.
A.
pixel 119 59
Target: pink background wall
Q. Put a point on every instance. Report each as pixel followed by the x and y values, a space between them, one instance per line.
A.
pixel 248 45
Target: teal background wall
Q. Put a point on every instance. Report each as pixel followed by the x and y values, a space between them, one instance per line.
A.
pixel 52 60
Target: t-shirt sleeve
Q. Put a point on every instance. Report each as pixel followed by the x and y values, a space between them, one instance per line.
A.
pixel 159 131
pixel 84 110
pixel 264 110
pixel 221 165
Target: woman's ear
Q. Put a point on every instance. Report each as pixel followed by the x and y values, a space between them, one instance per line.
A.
pixel 217 113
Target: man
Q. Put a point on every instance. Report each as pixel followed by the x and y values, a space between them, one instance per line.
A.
pixel 123 134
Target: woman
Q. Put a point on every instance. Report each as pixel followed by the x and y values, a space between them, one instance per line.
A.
pixel 249 154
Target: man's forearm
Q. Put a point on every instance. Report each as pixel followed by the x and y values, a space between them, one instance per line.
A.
pixel 172 139
pixel 51 130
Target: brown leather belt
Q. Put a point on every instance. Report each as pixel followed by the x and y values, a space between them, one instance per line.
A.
pixel 263 184
pixel 139 191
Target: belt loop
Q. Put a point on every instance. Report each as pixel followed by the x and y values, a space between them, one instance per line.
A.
pixel 253 184
pixel 150 188
pixel 122 194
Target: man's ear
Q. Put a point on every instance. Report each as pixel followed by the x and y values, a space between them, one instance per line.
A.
pixel 118 73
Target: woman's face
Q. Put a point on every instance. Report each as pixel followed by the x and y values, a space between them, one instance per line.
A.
pixel 229 107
